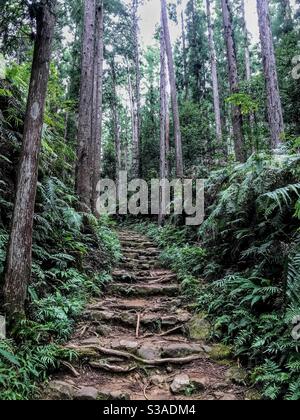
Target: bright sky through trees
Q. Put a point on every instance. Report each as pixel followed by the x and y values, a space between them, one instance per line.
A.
pixel 150 16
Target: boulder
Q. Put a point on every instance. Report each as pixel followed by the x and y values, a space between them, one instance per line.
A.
pixel 111 395
pixel 199 383
pixel 199 328
pixel 86 394
pixel 180 384
pixel 253 395
pixel 148 352
pixel 225 397
pixel 60 390
pixel 181 349
pixel 128 345
pixel 157 380
pixel 220 352
pixel 237 376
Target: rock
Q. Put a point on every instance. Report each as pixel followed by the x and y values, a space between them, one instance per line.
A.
pixel 200 383
pixel 100 316
pixel 199 328
pixel 180 384
pixel 220 352
pixel 149 353
pixel 253 395
pixel 206 349
pixel 109 395
pixel 86 394
pixel 226 397
pixel 60 390
pixel 219 385
pixel 157 380
pixel 126 345
pixel 103 330
pixel 237 376
pixel 181 350
pixel 90 342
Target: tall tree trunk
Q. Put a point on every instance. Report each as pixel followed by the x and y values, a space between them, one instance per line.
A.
pixel 168 169
pixel 237 119
pixel 19 258
pixel 84 149
pixel 97 104
pixel 132 107
pixel 214 73
pixel 274 106
pixel 177 130
pixel 185 71
pixel 118 153
pixel 137 108
pixel 246 42
pixel 163 89
pixel 248 71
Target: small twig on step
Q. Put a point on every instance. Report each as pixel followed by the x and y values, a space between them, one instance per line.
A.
pixel 84 330
pixel 71 368
pixel 144 391
pixel 171 331
pixel 138 324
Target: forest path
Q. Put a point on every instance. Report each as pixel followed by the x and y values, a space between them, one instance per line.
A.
pixel 134 342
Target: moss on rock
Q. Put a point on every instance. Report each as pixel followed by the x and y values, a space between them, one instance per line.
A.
pixel 199 327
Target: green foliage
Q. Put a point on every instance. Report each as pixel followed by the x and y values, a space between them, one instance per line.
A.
pixel 21 367
pixel 73 253
pixel 250 241
pixel 245 102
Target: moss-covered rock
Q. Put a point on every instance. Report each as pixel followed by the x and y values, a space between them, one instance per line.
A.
pixel 220 352
pixel 237 376
pixel 253 395
pixel 199 327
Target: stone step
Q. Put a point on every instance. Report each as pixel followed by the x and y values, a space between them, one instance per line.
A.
pixel 139 266
pixel 137 242
pixel 144 289
pixel 141 252
pixel 142 276
pixel 148 321
pixel 139 305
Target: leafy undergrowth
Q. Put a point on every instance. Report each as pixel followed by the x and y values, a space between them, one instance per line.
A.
pixel 70 266
pixel 245 270
pixel 73 253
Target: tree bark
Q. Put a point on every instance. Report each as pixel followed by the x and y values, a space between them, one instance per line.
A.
pixel 19 257
pixel 168 168
pixel 137 93
pixel 118 154
pixel 162 119
pixel 84 147
pixel 275 115
pixel 214 73
pixel 246 42
pixel 237 119
pixel 177 130
pixel 97 104
pixel 185 71
pixel 248 71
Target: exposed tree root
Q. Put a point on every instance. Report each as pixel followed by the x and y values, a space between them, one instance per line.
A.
pixel 111 368
pixel 126 355
pixel 71 368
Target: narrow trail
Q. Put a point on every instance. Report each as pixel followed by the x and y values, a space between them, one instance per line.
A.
pixel 133 342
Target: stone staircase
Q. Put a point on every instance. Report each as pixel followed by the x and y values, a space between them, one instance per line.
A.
pixel 139 342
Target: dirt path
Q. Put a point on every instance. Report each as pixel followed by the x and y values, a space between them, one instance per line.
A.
pixel 134 343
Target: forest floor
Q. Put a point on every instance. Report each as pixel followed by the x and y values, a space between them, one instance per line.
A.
pixel 139 342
